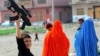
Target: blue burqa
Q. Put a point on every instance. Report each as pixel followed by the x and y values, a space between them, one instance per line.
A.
pixel 86 40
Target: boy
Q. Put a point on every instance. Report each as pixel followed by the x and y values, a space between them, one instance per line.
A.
pixel 23 41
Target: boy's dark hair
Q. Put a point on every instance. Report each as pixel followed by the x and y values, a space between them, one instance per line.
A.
pixel 49 25
pixel 24 35
pixel 81 19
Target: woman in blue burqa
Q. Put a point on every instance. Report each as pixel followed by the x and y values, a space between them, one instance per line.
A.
pixel 86 40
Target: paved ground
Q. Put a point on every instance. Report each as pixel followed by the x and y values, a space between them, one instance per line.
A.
pixel 8 46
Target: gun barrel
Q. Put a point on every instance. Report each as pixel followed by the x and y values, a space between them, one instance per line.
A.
pixel 26 11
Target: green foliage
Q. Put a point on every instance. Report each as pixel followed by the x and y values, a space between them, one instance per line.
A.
pixel 36 29
pixel 7 31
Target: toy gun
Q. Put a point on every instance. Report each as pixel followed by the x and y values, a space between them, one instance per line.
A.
pixel 22 12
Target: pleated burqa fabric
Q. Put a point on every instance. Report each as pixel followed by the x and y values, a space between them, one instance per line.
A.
pixel 56 43
pixel 86 39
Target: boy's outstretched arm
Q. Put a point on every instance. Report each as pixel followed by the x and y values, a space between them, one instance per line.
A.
pixel 18 33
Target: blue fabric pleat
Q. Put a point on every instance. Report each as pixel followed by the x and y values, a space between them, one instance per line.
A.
pixel 86 40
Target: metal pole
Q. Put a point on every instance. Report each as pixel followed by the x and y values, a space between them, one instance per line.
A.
pixel 52 10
